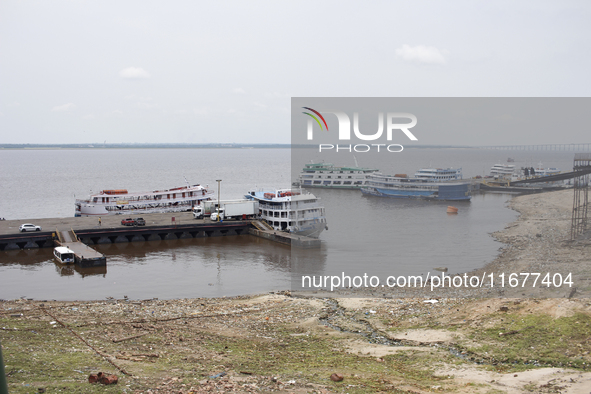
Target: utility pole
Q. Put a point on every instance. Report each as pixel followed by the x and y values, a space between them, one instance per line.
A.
pixel 218 181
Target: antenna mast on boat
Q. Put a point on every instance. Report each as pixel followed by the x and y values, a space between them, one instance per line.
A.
pixel 186 181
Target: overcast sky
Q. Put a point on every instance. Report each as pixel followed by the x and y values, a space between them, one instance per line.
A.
pixel 199 72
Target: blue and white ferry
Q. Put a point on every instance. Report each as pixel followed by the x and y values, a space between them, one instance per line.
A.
pixel 402 187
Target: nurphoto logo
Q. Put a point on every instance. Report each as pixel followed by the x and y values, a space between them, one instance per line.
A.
pixel 344 134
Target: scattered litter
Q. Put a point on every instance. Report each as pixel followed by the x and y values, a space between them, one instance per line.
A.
pixel 219 375
pixel 431 301
pixel 336 377
pixel 103 378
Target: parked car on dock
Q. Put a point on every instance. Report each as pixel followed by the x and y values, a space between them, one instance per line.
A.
pixel 128 222
pixel 140 222
pixel 28 227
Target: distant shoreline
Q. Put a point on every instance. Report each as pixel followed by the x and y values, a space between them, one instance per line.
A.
pixel 193 146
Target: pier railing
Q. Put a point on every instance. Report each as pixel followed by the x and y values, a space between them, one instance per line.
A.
pixel 585 147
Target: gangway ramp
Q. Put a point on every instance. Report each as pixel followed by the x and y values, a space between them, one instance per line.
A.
pixel 84 255
pixel 263 226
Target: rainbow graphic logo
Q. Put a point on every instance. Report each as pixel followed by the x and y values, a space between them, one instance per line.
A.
pixel 315 118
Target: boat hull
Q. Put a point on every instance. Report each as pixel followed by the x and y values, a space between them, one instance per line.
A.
pixel 443 193
pixel 312 231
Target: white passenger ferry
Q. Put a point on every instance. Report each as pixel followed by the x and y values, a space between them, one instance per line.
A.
pixel 502 170
pixel 326 175
pixel 297 212
pixel 439 174
pixel 120 201
pixel 541 171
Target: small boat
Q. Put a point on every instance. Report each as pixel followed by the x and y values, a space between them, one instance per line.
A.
pixel 64 255
pixel 451 209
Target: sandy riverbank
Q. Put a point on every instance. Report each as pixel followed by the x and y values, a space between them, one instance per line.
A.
pixel 293 343
pixel 539 242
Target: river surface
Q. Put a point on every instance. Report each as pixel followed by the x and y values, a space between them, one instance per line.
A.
pixel 366 234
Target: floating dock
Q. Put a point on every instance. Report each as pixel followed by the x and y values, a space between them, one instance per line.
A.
pixel 84 255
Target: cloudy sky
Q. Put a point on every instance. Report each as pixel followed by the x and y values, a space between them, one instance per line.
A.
pixel 193 71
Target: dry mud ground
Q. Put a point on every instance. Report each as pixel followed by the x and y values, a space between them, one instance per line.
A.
pixel 505 342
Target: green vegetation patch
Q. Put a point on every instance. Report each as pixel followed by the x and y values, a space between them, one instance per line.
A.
pixel 536 340
pixel 313 358
pixel 39 356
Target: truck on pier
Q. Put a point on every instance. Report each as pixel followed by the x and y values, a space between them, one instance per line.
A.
pixel 232 209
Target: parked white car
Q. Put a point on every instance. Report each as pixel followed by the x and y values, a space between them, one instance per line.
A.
pixel 28 227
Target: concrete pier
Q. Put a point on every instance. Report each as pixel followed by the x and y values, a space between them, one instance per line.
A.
pixel 159 226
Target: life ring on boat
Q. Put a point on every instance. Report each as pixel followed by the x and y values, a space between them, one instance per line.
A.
pixel 102 192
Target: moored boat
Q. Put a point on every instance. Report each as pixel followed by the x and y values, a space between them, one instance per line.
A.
pixel 63 255
pixel 541 171
pixel 502 170
pixel 295 211
pixel 120 201
pixel 439 174
pixel 399 187
pixel 328 176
